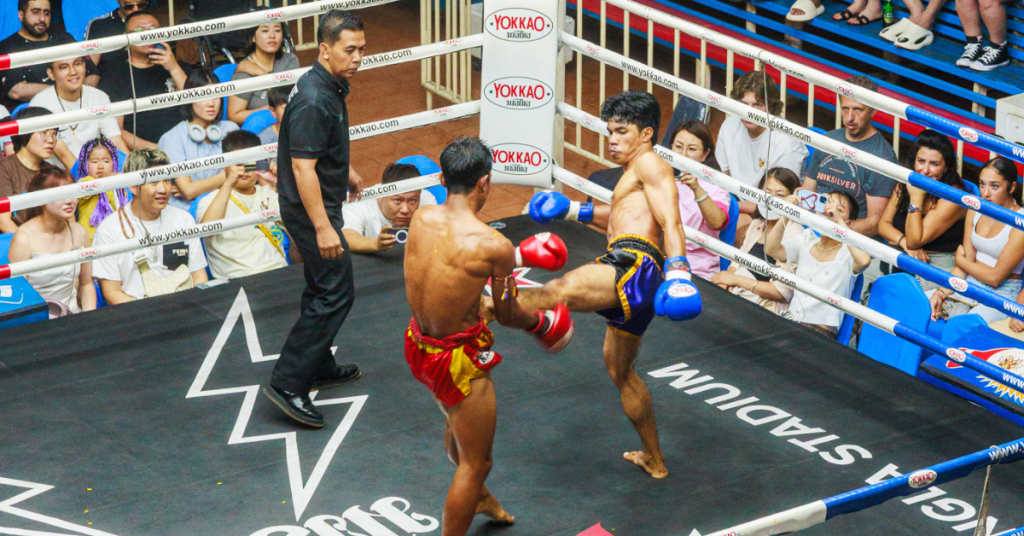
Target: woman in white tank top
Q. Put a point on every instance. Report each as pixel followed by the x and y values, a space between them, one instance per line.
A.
pixel 50 230
pixel 992 254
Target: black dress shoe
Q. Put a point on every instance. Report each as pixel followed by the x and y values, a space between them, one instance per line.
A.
pixel 342 375
pixel 295 406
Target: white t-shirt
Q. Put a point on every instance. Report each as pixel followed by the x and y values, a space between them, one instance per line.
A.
pixel 122 267
pixel 836 276
pixel 244 251
pixel 366 218
pixel 86 130
pixel 745 158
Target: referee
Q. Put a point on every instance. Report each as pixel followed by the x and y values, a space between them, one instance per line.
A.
pixel 314 180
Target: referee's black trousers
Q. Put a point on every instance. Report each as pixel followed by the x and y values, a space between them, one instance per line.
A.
pixel 326 301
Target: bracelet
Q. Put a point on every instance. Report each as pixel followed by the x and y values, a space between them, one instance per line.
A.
pixel 701 198
pixel 752 287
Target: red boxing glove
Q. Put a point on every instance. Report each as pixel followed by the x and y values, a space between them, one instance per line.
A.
pixel 554 331
pixel 542 250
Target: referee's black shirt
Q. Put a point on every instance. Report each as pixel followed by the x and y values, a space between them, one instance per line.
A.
pixel 315 126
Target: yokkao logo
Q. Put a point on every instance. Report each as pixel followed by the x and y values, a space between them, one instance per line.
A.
pixel 269 148
pixel 714 98
pixel 99 110
pixel 588 120
pixel 700 240
pixel 838 231
pixel 956 355
pixel 682 291
pixel 922 478
pixel 270 213
pixel 834 300
pixel 958 284
pixel 709 174
pixel 709 37
pixel 519 159
pixel 844 89
pixel 452 43
pixel 518 24
pixel 442 112
pixel 581 183
pixel 88 45
pixel 968 134
pixel 273 15
pixel 88 186
pixel 850 152
pixel 283 77
pixel 592 50
pixel 518 93
pixel 88 253
pixel 971 201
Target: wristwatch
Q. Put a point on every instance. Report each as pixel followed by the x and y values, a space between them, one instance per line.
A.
pixel 913 208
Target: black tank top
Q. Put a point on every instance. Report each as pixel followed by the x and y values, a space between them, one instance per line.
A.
pixel 944 243
pixel 758 251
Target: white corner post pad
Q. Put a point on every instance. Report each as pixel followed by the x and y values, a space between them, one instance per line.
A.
pixel 792 520
pixel 518 81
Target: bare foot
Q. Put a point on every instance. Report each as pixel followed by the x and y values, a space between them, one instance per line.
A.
pixel 657 470
pixel 489 507
pixel 487 308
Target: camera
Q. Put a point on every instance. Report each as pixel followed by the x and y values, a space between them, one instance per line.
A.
pixel 401 234
pixel 259 165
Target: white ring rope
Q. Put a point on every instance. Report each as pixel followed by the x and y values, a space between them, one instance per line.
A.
pixel 216 91
pixel 135 178
pixel 179 32
pixel 196 231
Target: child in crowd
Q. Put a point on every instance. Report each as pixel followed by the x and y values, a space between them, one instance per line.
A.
pixel 248 250
pixel 98 159
pixel 278 99
pixel 51 230
pixel 824 261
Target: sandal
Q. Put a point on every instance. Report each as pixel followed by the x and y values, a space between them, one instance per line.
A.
pixel 892 33
pixel 842 16
pixel 915 38
pixel 810 11
pixel 862 20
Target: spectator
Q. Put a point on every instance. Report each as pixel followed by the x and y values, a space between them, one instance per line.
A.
pixel 750 285
pixel 915 32
pixel 860 12
pixel 278 99
pixel 823 261
pixel 992 253
pixel 51 230
pixel 198 136
pixel 21 84
pixel 703 206
pixel 263 55
pixel 827 173
pixel 993 13
pixel 248 250
pixel 112 24
pixel 926 227
pixel 150 271
pixel 69 94
pixel 30 153
pixel 746 150
pixel 366 223
pixel 154 71
pixel 99 159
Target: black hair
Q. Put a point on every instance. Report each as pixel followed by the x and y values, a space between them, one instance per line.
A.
pixel 336 21
pixel 850 202
pixel 278 95
pixel 21 140
pixel 47 177
pixel 930 139
pixel 236 140
pixel 635 108
pixel 399 172
pixel 250 35
pixel 701 132
pixel 1007 169
pixel 23 4
pixel 463 162
pixel 140 13
pixel 198 78
pixel 785 176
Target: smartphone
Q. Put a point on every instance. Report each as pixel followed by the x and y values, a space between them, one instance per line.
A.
pixel 401 234
pixel 161 47
pixel 813 201
pixel 259 165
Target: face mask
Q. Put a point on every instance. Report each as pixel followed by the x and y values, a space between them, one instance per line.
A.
pixel 762 209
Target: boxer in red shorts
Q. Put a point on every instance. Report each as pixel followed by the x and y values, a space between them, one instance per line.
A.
pixel 449 257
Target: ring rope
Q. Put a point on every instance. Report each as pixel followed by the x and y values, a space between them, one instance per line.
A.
pixel 85 189
pixel 177 98
pixel 840 87
pixel 804 135
pixel 16 269
pixel 791 280
pixel 817 222
pixel 179 32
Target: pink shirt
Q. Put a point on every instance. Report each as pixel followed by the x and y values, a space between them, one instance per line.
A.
pixel 703 263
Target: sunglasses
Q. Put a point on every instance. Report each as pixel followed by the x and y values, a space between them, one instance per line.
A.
pixel 129 7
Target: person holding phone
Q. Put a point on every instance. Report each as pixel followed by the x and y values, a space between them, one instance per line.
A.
pixel 374 226
pixel 248 250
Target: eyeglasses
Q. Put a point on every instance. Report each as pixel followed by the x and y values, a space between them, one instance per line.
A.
pixel 129 7
pixel 51 133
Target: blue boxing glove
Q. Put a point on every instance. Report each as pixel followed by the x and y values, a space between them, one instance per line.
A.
pixel 677 298
pixel 550 205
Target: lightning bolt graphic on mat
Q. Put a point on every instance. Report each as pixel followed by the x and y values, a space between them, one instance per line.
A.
pixel 301 493
pixel 34 489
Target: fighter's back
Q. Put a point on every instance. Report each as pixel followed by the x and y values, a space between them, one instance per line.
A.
pixel 448 259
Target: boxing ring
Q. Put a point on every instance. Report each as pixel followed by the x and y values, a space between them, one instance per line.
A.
pixel 141 419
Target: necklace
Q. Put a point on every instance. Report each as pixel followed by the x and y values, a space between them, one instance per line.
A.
pixel 81 103
pixel 818 245
pixel 252 57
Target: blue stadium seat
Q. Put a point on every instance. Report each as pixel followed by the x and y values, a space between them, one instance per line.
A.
pixel 224 74
pixel 728 234
pixel 898 296
pixel 257 121
pixel 846 328
pixel 427 166
pixel 5 246
pixel 971 187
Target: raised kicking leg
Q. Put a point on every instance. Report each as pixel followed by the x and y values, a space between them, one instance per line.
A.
pixel 619 353
pixel 469 435
pixel 586 289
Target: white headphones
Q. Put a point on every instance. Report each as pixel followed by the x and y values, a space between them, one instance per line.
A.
pixel 199 134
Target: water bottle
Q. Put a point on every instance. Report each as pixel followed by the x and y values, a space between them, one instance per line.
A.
pixel 888 13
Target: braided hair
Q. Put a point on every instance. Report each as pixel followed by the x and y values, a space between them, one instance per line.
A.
pixel 103 208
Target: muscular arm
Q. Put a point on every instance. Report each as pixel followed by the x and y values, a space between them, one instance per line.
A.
pixel 507 310
pixel 868 226
pixel 663 198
